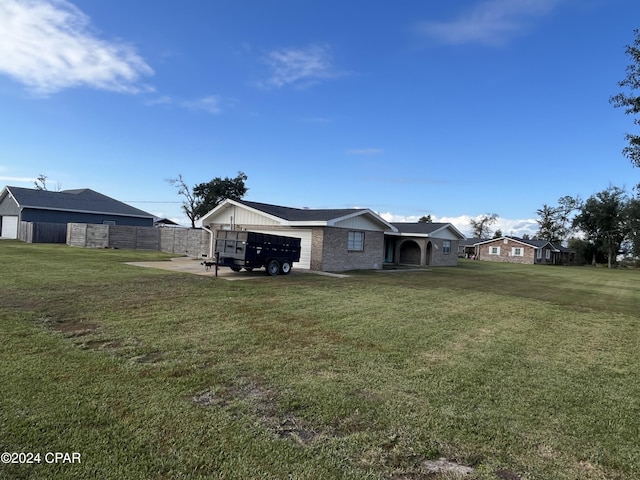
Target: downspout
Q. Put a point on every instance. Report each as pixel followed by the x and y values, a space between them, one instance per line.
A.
pixel 211 234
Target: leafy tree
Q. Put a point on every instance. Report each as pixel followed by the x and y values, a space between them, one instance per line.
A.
pixel 212 193
pixel 633 215
pixel 604 220
pixel 629 99
pixel 204 197
pixel 497 234
pixel 425 219
pixel 554 223
pixel 480 228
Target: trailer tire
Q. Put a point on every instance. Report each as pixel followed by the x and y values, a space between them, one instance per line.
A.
pixel 235 269
pixel 273 267
pixel 285 267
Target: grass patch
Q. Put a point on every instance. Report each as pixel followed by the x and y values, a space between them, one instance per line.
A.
pixel 519 372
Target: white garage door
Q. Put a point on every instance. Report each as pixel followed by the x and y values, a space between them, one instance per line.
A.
pixel 9 227
pixel 305 244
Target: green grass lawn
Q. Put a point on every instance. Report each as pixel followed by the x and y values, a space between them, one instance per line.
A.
pixel 521 372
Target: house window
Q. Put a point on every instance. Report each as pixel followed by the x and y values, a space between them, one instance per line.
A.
pixel 517 252
pixel 446 247
pixel 108 222
pixel 548 254
pixel 355 241
pixel 494 250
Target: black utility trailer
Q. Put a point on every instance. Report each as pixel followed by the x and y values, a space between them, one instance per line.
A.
pixel 239 249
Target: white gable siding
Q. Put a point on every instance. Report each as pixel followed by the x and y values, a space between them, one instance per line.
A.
pixel 445 234
pixel 240 216
pixel 360 222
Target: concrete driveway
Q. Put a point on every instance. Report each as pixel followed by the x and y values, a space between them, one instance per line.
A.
pixel 194 266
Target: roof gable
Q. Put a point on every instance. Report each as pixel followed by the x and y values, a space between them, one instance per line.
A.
pixel 430 229
pixel 531 243
pixel 79 200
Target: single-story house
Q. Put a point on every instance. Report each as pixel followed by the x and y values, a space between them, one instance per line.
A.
pixel 19 204
pixel 467 247
pixel 423 244
pixel 518 250
pixel 334 240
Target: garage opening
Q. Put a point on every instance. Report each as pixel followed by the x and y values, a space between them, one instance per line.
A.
pixel 9 226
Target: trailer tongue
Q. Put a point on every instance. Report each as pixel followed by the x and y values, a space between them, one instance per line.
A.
pixel 238 249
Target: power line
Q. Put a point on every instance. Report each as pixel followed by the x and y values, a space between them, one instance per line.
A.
pixel 148 201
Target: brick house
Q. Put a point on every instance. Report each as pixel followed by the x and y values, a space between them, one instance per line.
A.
pixel 335 240
pixel 517 250
pixel 332 240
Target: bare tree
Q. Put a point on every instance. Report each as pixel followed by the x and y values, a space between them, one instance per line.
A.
pixel 190 203
pixel 40 182
pixel 480 228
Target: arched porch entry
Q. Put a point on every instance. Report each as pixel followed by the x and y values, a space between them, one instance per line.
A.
pixel 412 252
pixel 428 253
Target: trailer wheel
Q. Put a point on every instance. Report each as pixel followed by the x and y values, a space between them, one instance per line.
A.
pixel 235 269
pixel 273 267
pixel 285 267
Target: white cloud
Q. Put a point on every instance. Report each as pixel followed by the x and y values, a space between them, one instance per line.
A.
pixel 210 104
pixel 48 45
pixel 299 67
pixel 491 22
pixel 18 179
pixel 162 100
pixel 515 227
pixel 364 151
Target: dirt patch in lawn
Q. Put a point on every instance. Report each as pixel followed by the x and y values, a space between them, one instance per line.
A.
pixel 70 328
pixel 263 403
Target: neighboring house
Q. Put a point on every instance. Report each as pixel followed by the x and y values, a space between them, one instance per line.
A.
pixel 19 204
pixel 335 240
pixel 332 240
pixel 518 250
pixel 164 222
pixel 423 244
pixel 467 247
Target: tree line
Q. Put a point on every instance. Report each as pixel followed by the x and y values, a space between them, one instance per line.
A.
pixel 608 222
pixel 598 228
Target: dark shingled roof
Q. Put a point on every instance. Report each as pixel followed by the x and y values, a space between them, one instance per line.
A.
pixel 301 214
pixel 81 200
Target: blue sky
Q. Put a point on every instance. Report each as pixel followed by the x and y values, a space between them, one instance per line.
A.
pixel 452 109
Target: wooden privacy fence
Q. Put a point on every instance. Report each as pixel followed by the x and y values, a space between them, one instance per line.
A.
pixel 41 232
pixel 181 241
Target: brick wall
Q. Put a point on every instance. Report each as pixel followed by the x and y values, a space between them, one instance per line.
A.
pixel 338 258
pixel 505 255
pixel 441 259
